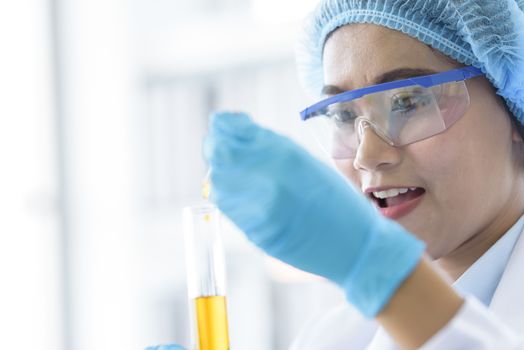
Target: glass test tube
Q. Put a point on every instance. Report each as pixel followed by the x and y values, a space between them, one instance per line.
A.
pixel 206 277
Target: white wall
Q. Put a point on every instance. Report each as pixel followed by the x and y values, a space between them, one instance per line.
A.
pixel 107 108
pixel 30 250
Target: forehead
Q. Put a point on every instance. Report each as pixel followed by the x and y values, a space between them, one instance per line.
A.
pixel 355 54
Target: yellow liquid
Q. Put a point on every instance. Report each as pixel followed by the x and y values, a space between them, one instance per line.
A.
pixel 211 318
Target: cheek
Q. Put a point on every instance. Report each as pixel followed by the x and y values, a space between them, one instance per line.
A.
pixel 346 168
pixel 437 159
pixel 460 168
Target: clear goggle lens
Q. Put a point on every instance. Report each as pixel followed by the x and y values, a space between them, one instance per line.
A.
pixel 399 116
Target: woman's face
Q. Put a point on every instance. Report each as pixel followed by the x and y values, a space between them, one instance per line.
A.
pixel 468 173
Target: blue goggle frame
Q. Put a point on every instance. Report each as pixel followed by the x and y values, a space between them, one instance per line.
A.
pixel 426 81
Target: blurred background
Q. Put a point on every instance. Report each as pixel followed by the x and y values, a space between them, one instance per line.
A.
pixel 104 107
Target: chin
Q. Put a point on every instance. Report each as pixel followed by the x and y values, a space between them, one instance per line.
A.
pixel 420 231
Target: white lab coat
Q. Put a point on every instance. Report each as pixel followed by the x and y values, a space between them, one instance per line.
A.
pixel 475 326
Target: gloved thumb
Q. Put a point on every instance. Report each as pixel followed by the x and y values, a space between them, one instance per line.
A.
pixel 232 124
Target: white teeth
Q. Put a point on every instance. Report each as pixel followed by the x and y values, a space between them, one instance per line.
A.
pixel 392 192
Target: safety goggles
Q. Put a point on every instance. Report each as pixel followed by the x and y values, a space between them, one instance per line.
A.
pixel 400 112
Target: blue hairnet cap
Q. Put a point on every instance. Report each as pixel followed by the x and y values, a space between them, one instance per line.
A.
pixel 488 34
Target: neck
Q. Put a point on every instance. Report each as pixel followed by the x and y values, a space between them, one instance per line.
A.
pixel 459 260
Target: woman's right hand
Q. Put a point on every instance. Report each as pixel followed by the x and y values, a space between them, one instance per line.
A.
pixel 303 212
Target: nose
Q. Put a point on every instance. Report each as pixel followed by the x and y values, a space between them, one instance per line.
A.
pixel 373 152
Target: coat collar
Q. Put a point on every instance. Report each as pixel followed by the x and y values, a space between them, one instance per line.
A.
pixel 507 302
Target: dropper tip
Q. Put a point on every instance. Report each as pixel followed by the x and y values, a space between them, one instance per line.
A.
pixel 206 185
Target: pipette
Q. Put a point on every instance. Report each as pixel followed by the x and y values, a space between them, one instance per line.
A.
pixel 206 185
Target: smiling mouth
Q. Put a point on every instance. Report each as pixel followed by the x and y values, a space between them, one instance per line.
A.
pixel 386 200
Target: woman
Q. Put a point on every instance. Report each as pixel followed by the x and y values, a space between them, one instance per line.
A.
pixel 423 112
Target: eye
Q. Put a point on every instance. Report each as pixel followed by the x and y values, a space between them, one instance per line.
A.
pixel 342 117
pixel 408 102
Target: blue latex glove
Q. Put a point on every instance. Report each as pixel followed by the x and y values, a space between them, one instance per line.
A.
pixel 303 212
pixel 165 347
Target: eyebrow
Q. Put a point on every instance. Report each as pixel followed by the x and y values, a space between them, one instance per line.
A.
pixel 395 74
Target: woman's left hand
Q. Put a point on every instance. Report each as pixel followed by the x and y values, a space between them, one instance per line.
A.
pixel 165 347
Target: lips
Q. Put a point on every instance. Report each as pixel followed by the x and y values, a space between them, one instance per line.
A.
pixel 397 206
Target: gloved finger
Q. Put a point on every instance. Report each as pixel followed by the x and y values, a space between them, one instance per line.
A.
pixel 232 124
pixel 242 216
pixel 220 150
pixel 166 347
pixel 242 186
pixel 225 149
pixel 244 198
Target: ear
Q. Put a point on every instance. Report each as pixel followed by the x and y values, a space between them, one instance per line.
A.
pixel 517 142
pixel 515 135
